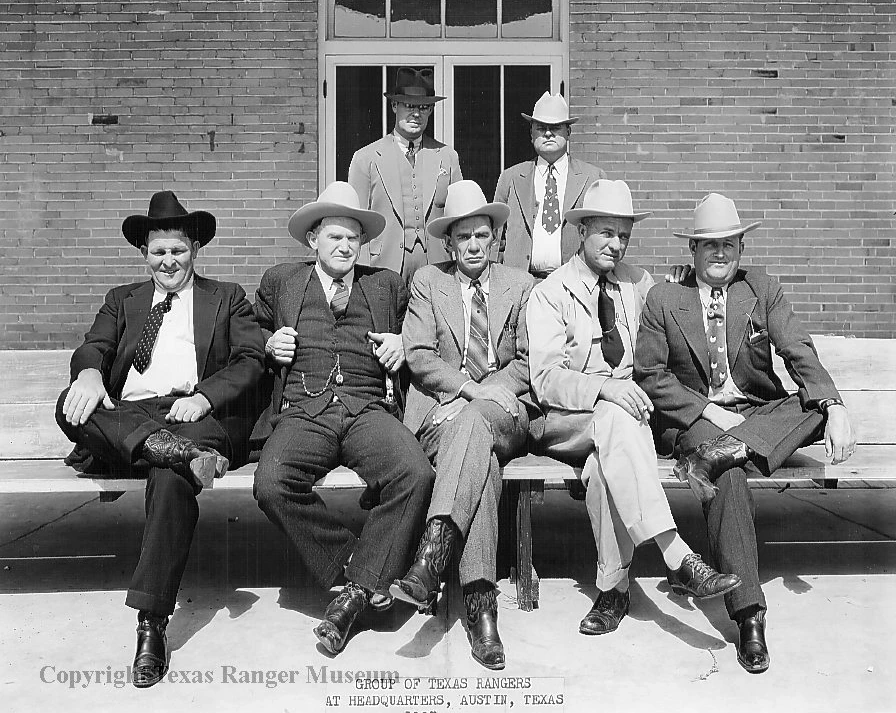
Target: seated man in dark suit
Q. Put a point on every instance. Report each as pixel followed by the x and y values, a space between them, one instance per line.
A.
pixel 704 358
pixel 466 346
pixel 333 330
pixel 165 378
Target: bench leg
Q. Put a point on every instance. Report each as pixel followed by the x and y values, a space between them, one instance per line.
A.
pixel 526 577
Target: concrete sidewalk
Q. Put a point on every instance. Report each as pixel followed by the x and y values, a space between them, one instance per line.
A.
pixel 245 607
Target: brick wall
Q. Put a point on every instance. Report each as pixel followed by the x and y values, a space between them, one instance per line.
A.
pixel 216 100
pixel 787 108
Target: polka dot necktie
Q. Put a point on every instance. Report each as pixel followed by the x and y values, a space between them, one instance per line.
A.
pixel 611 341
pixel 150 332
pixel 410 153
pixel 476 362
pixel 715 339
pixel 339 303
pixel 550 214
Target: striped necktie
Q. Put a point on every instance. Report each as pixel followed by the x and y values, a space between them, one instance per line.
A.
pixel 716 341
pixel 410 153
pixel 339 303
pixel 476 362
pixel 150 332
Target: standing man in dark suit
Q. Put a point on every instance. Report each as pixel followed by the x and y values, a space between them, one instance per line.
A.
pixel 166 378
pixel 405 177
pixel 536 237
pixel 334 330
pixel 704 358
pixel 466 345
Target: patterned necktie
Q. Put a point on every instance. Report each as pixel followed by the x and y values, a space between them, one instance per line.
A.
pixel 409 154
pixel 715 338
pixel 611 341
pixel 150 332
pixel 339 303
pixel 550 214
pixel 477 345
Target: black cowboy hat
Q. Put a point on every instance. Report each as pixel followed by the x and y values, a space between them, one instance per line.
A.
pixel 413 86
pixel 166 213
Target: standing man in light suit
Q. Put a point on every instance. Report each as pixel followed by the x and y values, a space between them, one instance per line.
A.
pixel 405 177
pixel 539 192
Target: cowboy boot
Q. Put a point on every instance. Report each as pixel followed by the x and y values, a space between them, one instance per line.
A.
pixel 339 616
pixel 482 627
pixel 151 659
pixel 752 651
pixel 164 449
pixel 696 578
pixel 421 584
pixel 708 461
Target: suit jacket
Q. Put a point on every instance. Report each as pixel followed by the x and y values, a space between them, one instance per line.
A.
pixel 374 174
pixel 516 188
pixel 434 335
pixel 672 359
pixel 564 329
pixel 279 298
pixel 229 348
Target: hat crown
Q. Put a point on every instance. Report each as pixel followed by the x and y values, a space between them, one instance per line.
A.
pixel 463 198
pixel 610 197
pixel 551 109
pixel 164 204
pixel 414 82
pixel 340 193
pixel 715 213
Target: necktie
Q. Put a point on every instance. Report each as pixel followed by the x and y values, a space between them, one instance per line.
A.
pixel 611 341
pixel 715 338
pixel 477 345
pixel 550 214
pixel 339 303
pixel 410 153
pixel 150 332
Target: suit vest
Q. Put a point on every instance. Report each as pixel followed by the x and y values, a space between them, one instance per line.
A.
pixel 413 207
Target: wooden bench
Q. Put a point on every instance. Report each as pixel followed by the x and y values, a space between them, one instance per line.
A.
pixel 32 446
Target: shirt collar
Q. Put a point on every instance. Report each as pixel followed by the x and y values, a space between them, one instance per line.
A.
pixel 706 291
pixel 560 164
pixel 403 143
pixel 588 277
pixel 184 292
pixel 327 282
pixel 483 279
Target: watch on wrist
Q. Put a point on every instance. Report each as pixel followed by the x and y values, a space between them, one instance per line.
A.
pixel 825 404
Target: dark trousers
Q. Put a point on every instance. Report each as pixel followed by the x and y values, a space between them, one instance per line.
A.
pixel 116 437
pixel 384 453
pixel 774 431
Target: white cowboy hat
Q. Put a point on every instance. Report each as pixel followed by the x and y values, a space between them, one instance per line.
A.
pixel 338 200
pixel 605 197
pixel 551 109
pixel 465 198
pixel 716 217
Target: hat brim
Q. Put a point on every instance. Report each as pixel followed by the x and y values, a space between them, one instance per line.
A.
pixel 198 225
pixel 577 215
pixel 544 120
pixel 498 212
pixel 306 217
pixel 719 234
pixel 413 99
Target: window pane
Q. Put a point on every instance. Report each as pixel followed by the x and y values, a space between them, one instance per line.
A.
pixel 471 18
pixel 359 112
pixel 477 125
pixel 523 86
pixel 527 18
pixel 390 115
pixel 416 18
pixel 359 18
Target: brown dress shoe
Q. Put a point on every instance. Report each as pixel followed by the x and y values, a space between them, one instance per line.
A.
pixel 151 659
pixel 709 460
pixel 339 616
pixel 164 449
pixel 697 579
pixel 752 651
pixel 606 613
pixel 420 586
pixel 482 628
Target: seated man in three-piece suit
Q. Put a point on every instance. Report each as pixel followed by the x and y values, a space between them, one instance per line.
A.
pixel 704 358
pixel 333 333
pixel 465 342
pixel 166 379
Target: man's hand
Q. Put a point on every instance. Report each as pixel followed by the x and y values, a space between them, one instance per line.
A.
pixel 678 273
pixel 839 437
pixel 721 417
pixel 188 409
pixel 388 348
pixel 628 395
pixel 498 393
pixel 281 346
pixel 446 412
pixel 84 395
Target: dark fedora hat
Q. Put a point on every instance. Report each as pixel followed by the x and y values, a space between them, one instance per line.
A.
pixel 413 86
pixel 166 213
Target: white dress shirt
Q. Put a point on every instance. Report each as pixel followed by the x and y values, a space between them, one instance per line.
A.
pixel 546 246
pixel 172 367
pixel 727 393
pixel 466 293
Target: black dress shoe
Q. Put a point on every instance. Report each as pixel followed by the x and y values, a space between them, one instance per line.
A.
pixel 702 468
pixel 420 586
pixel 752 651
pixel 482 628
pixel 151 660
pixel 606 613
pixel 201 465
pixel 697 579
pixel 339 616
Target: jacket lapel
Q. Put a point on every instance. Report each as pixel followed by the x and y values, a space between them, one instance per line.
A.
pixel 741 302
pixel 499 305
pixel 136 310
pixel 294 288
pixel 575 185
pixel 376 295
pixel 206 303
pixel 387 157
pixel 688 314
pixel 524 187
pixel 452 307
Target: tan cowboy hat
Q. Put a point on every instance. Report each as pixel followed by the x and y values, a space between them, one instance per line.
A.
pixel 464 199
pixel 166 213
pixel 551 109
pixel 605 197
pixel 716 217
pixel 413 86
pixel 338 200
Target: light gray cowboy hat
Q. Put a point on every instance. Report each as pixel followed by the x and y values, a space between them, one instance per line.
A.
pixel 464 199
pixel 551 109
pixel 716 217
pixel 338 200
pixel 605 197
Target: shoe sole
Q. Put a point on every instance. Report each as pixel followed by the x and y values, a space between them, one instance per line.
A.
pixel 703 493
pixel 746 667
pixel 379 608
pixel 320 631
pixel 147 684
pixel 206 468
pixel 425 607
pixel 493 666
pixel 681 591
